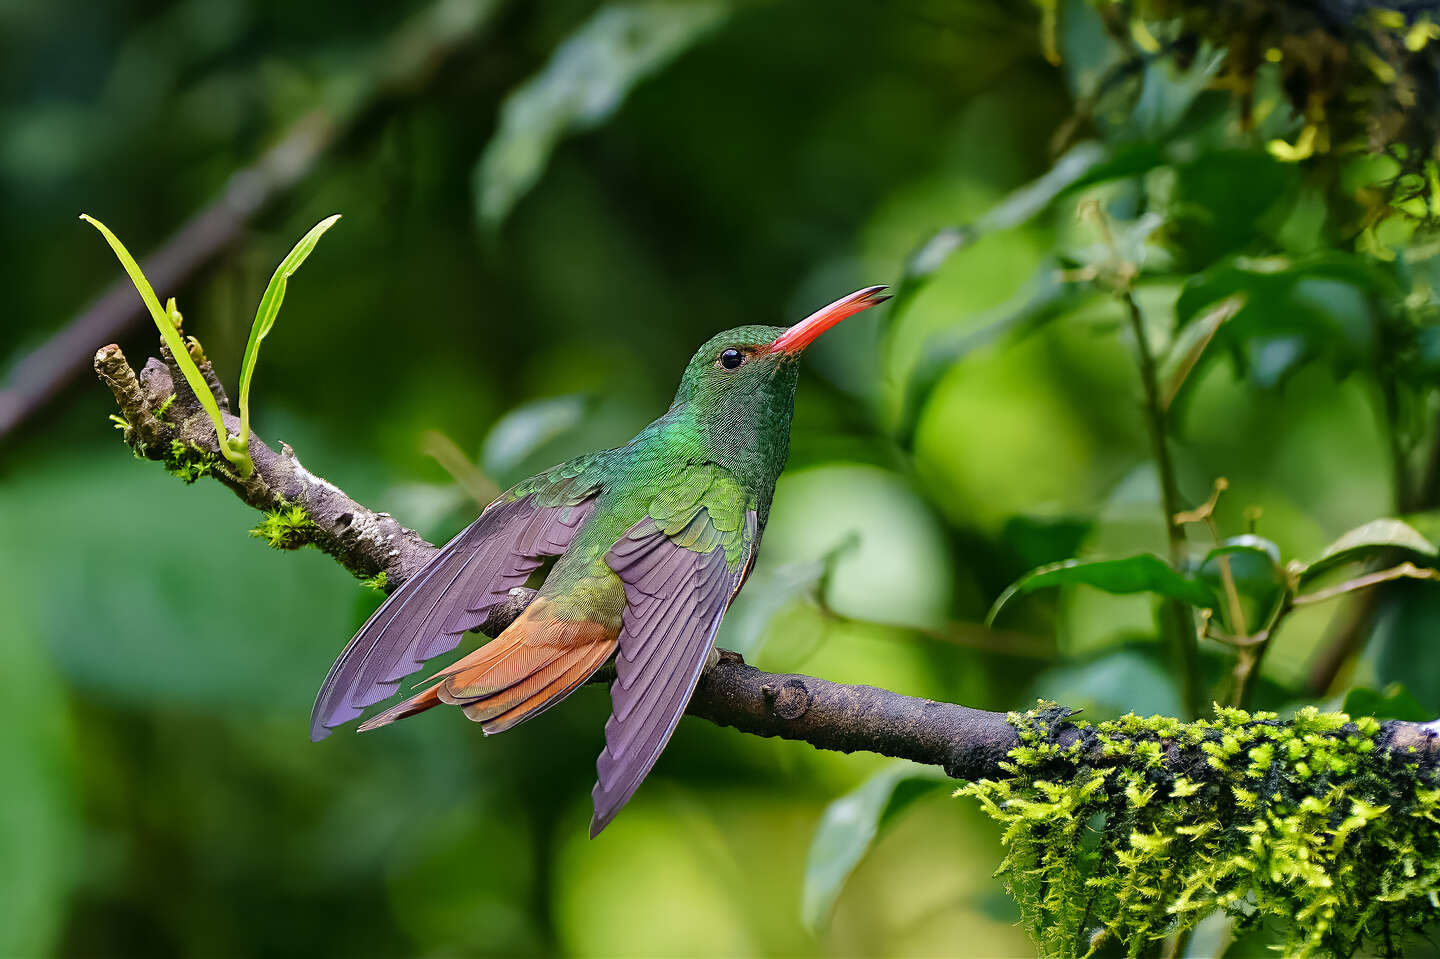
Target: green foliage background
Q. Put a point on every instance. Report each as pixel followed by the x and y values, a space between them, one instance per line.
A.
pixel 532 246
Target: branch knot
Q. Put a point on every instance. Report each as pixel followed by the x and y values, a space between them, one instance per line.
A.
pixel 792 699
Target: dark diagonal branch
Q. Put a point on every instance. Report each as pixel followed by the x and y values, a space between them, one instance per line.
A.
pixel 164 425
pixel 407 62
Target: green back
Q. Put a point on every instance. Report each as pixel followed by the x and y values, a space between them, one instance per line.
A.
pixel 721 446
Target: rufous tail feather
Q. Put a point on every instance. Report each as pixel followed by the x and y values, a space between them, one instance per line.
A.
pixel 536 662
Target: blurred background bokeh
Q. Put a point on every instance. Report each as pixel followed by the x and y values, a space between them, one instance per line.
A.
pixel 546 207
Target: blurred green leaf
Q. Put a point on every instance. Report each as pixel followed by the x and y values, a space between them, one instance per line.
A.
pixel 38 804
pixel 1221 199
pixel 1039 540
pixel 526 428
pixel 584 83
pixel 1142 573
pixel 1025 203
pixel 1168 91
pixel 1404 642
pixel 1019 207
pixel 1363 542
pixel 268 310
pixel 1122 161
pixel 1392 702
pixel 1189 347
pixel 1088 52
pixel 1427 350
pixel 743 628
pixel 850 827
pixel 1325 307
pixel 1120 680
pixel 1047 297
pixel 1246 543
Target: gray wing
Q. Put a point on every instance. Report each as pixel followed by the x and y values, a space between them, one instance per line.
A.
pixel 675 598
pixel 451 595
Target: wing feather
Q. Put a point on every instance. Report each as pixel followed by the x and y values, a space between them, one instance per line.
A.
pixel 453 594
pixel 675 597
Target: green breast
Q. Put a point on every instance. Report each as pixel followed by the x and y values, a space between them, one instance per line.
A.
pixel 668 473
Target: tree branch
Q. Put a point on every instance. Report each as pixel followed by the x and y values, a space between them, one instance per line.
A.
pixel 170 427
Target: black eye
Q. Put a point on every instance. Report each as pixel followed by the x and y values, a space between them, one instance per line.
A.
pixel 731 359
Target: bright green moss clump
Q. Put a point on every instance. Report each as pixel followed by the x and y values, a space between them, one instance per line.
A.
pixel 1138 827
pixel 188 461
pixel 289 527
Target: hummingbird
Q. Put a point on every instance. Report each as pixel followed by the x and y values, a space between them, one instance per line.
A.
pixel 652 542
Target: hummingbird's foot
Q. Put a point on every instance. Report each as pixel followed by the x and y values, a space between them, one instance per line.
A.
pixel 718 656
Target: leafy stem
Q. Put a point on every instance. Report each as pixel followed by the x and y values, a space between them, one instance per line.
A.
pixel 1175 615
pixel 1205 513
pixel 166 321
pixel 1250 650
pixel 1119 274
pixel 235 449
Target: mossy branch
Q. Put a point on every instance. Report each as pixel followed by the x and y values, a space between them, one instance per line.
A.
pixel 169 425
pixel 302 509
pixel 1136 829
pixel 1111 774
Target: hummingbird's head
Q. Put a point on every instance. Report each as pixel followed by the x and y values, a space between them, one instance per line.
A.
pixel 752 369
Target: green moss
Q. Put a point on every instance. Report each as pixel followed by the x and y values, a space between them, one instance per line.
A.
pixel 189 461
pixel 376 582
pixel 289 527
pixel 1139 827
pixel 164 407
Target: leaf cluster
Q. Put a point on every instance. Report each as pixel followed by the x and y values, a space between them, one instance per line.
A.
pixel 1355 77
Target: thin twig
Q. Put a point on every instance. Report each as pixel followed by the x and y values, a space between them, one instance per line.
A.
pixel 452 459
pixel 1205 513
pixel 1250 654
pixel 1403 571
